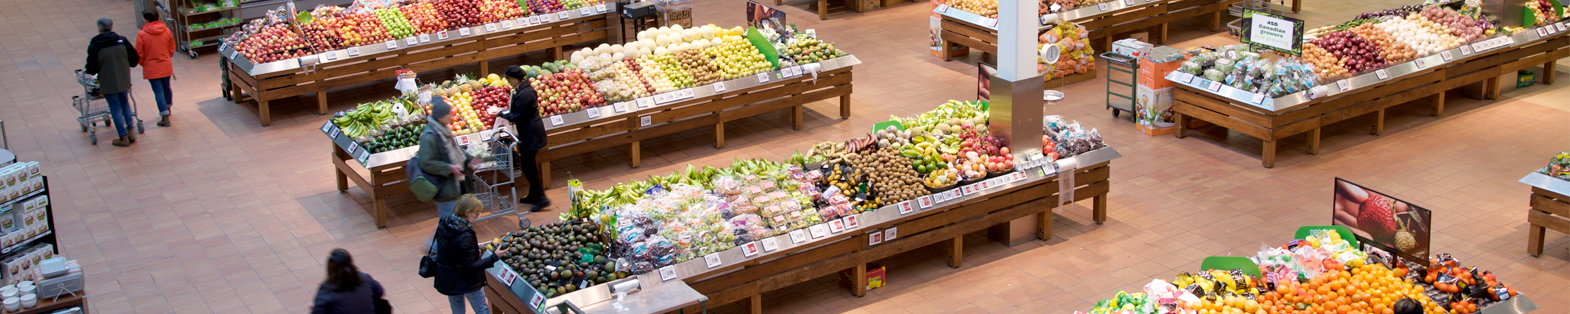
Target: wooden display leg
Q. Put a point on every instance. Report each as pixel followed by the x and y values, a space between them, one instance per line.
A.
pixel 1161 34
pixel 1182 124
pixel 823 9
pixel 1215 21
pixel 756 305
pixel 1491 88
pixel 545 173
pixel 1379 122
pixel 636 153
pixel 796 117
pixel 343 180
pixel 1534 240
pixel 556 53
pixel 844 107
pixel 1313 139
pixel 321 102
pixel 859 280
pixel 1548 73
pixel 262 112
pixel 1099 208
pixel 1297 6
pixel 1044 225
pixel 956 250
pixel 719 135
pixel 379 209
pixel 1268 157
pixel 1439 104
pixel 485 67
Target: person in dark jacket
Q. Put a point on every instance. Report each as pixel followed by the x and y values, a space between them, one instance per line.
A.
pixel 346 290
pixel 461 273
pixel 111 57
pixel 524 112
pixel 440 156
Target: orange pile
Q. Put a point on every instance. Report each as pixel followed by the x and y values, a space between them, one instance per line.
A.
pixel 1366 289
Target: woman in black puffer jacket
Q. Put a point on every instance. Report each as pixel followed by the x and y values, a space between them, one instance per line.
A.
pixel 461 273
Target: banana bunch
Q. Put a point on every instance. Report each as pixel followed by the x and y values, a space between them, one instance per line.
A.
pixel 366 117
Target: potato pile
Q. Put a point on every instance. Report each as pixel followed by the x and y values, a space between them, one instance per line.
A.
pixel 987 8
pixel 1393 51
pixel 892 177
pixel 698 66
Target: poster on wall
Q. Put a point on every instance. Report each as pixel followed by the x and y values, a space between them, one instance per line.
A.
pixel 1267 31
pixel 767 19
pixel 1382 221
pixel 984 75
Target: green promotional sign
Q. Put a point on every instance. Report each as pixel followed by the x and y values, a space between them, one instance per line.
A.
pixel 1273 32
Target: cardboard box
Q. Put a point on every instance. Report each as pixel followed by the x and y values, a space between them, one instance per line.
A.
pixel 1131 47
pixel 875 274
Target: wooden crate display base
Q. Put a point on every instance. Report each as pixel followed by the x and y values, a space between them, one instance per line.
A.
pixel 713 111
pixel 1550 211
pixel 947 225
pixel 379 182
pixel 378 66
pixel 1153 16
pixel 1273 125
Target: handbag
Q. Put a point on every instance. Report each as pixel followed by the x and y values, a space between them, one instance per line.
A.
pixel 428 263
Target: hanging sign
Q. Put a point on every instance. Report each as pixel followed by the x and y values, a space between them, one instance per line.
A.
pixel 1274 32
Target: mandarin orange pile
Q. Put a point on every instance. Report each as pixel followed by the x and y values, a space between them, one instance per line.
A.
pixel 1366 289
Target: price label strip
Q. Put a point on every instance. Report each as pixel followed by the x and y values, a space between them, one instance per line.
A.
pixel 890 234
pixel 1445 55
pixel 875 238
pixel 600 7
pixel 719 87
pixel 836 226
pixel 1380 73
pixel 1344 85
pixel 797 236
pixel 619 107
pixel 712 260
pixel 411 41
pixel 645 102
pixel 562 15
pixel 586 11
pixel 852 221
pixel 506 24
pixel 1102 7
pixel 749 250
pixel 763 77
pixel 770 245
pixel 667 273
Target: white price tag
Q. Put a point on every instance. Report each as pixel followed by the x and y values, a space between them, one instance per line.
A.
pixel 1215 86
pixel 1380 73
pixel 441 35
pixel 556 120
pixel 688 93
pixel 1344 85
pixel 562 15
pixel 1466 49
pixel 719 87
pixel 330 55
pixel 425 38
pixel 1128 3
pixel 1102 7
pixel 645 121
pixel 942 8
pixel 769 244
pixel 749 250
pixel 1541 32
pixel 463 31
pixel 619 107
pixel 354 51
pixel 364 155
pixel 924 201
pixel 600 7
pixel 667 273
pixel 537 302
pixel 712 260
pixel 537 19
pixel 490 27
pixel 798 235
pixel 353 147
pixel 327 126
pixel 1445 55
pixel 818 230
pixel 594 112
pixel 852 221
pixel 1187 78
pixel 1258 99
pixel 991 22
pixel 1420 63
pixel 905 208
pixel 522 21
pixel 1560 26
pixel 874 238
pixel 586 11
pixel 836 226
pixel 506 24
pixel 763 77
pixel 645 102
pixel 508 275
pixel 392 44
pixel 890 234
pixel 334 133
pixel 411 41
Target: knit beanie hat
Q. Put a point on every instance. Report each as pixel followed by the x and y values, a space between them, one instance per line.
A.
pixel 516 72
pixel 440 108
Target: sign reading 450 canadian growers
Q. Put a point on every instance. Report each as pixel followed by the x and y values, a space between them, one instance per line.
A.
pixel 1269 31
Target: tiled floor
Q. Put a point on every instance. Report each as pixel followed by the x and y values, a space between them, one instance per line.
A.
pixel 220 215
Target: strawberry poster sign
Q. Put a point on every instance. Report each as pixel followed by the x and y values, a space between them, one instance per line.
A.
pixel 1383 221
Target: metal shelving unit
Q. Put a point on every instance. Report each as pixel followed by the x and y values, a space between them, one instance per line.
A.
pixel 1125 64
pixel 181 17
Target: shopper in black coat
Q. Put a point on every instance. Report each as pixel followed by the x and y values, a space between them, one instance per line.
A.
pixel 524 112
pixel 461 270
pixel 111 57
pixel 347 290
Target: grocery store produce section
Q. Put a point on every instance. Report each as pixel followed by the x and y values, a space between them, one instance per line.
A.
pixel 1364 66
pixel 768 224
pixel 287 54
pixel 973 23
pixel 1322 272
pixel 670 80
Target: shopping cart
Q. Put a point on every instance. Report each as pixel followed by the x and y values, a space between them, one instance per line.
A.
pixel 90 110
pixel 494 178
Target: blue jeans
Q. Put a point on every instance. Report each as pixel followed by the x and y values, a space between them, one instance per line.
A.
pixel 476 300
pixel 162 94
pixel 444 209
pixel 119 111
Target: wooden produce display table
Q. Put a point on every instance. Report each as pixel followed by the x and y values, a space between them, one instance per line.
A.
pixel 1371 93
pixel 382 175
pixel 707 106
pixel 1550 210
pixel 962 30
pixel 283 79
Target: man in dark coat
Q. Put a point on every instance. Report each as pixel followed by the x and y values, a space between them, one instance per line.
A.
pixel 110 57
pixel 524 113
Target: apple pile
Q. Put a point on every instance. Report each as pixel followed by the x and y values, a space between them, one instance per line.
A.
pixel 737 58
pixel 487 98
pixel 273 43
pixel 698 66
pixel 659 80
pixel 544 6
pixel 460 13
pixel 368 27
pixel 563 88
pixel 324 33
pixel 501 10
pixel 424 17
pixel 396 25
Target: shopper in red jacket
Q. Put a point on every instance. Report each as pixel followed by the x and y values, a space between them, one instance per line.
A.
pixel 156 45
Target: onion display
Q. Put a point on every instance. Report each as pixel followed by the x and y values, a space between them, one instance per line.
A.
pixel 1424 36
pixel 1357 54
pixel 1328 67
pixel 1467 28
pixel 1391 50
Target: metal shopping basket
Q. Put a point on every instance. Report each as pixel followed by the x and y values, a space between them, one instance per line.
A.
pixel 494 178
pixel 90 110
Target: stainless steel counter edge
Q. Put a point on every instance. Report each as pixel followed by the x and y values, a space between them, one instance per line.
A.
pixel 1111 7
pixel 1545 182
pixel 611 11
pixel 1291 101
pixel 607 112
